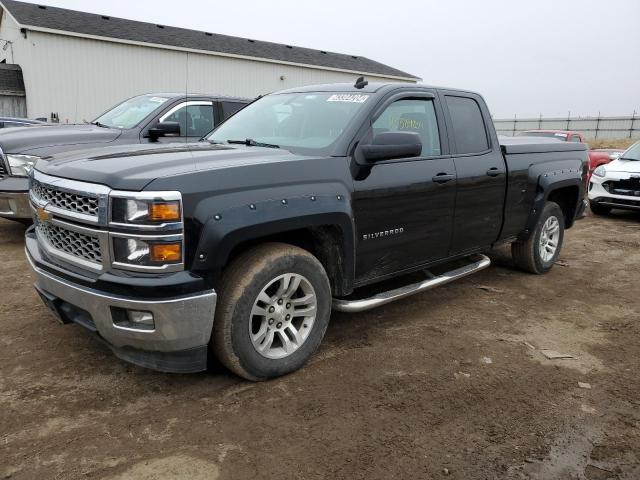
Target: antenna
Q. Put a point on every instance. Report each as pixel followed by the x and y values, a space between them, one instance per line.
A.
pixel 361 83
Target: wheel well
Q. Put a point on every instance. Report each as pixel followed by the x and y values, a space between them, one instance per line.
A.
pixel 567 199
pixel 324 242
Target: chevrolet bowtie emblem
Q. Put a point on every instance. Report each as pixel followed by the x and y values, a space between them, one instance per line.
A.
pixel 43 215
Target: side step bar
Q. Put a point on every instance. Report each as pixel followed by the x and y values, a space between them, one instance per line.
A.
pixel 479 262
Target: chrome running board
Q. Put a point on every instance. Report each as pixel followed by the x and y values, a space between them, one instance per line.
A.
pixel 479 262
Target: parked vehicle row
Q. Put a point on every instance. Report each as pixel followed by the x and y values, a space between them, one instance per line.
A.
pixel 239 246
pixel 151 118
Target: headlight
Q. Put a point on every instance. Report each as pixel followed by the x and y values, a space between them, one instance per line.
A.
pixel 137 252
pixel 21 165
pixel 600 171
pixel 143 211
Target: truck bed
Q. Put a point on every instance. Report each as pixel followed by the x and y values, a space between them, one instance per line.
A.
pixel 515 145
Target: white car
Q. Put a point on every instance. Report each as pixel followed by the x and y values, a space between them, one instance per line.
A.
pixel 617 184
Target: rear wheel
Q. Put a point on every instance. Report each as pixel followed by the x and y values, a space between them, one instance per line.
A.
pixel 598 209
pixel 539 252
pixel 272 313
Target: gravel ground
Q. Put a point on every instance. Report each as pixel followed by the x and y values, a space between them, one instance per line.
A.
pixel 452 383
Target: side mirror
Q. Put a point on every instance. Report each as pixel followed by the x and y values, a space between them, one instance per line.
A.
pixel 390 145
pixel 164 129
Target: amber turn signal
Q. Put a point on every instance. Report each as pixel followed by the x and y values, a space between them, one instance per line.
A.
pixel 164 211
pixel 165 252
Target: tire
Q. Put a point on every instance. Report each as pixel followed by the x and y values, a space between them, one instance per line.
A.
pixel 528 254
pixel 242 314
pixel 598 209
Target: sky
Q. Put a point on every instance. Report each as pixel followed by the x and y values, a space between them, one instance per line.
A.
pixel 526 58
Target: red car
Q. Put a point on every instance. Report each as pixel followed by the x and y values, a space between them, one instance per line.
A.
pixel 597 157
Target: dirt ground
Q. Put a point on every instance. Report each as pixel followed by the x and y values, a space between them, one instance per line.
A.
pixel 451 383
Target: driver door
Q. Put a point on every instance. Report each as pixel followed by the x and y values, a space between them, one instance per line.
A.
pixel 404 208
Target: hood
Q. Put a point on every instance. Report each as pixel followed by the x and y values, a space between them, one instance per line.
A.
pixel 132 167
pixel 26 140
pixel 624 166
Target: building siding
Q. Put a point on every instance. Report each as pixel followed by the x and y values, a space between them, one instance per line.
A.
pixel 78 78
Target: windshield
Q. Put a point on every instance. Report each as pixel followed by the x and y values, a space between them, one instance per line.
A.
pixel 633 153
pixel 302 122
pixel 131 112
pixel 556 135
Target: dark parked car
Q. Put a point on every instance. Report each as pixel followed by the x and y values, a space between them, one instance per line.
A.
pixel 11 122
pixel 151 118
pixel 239 247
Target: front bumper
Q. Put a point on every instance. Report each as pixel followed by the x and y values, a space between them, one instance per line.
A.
pixel 178 342
pixel 14 198
pixel 598 194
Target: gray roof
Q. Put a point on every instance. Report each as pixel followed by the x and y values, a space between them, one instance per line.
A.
pixel 11 81
pixel 29 14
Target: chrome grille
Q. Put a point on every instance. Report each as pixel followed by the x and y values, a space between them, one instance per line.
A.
pixel 73 243
pixel 72 202
pixel 3 169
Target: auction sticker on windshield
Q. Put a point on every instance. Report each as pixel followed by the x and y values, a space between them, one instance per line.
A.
pixel 348 97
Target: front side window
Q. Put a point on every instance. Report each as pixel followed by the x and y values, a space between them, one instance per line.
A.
pixel 131 112
pixel 468 125
pixel 309 122
pixel 195 118
pixel 412 115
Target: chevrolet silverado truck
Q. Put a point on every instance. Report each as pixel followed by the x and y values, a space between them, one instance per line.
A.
pixel 343 197
pixel 151 118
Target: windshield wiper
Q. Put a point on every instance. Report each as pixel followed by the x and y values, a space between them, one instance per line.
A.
pixel 250 142
pixel 98 124
pixel 627 158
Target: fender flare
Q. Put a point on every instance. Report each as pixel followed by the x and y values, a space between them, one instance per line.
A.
pixel 236 225
pixel 548 183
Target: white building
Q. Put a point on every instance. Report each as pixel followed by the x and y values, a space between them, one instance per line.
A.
pixel 76 64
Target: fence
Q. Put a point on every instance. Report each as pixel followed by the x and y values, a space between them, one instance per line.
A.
pixel 590 127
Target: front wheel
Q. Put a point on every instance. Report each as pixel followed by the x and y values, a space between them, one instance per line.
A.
pixel 272 313
pixel 540 251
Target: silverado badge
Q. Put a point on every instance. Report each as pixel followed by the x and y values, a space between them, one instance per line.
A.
pixel 43 215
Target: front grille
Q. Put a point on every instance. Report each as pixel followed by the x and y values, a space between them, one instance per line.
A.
pixel 73 243
pixel 628 188
pixel 72 202
pixel 3 169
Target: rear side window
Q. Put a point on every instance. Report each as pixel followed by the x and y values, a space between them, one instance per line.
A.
pixel 576 139
pixel 468 125
pixel 229 108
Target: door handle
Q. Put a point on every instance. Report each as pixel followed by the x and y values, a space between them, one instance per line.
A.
pixel 443 177
pixel 494 172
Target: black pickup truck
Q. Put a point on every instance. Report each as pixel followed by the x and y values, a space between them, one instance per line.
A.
pixel 155 118
pixel 306 200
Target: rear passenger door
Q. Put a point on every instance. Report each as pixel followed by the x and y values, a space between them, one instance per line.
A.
pixel 480 169
pixel 403 207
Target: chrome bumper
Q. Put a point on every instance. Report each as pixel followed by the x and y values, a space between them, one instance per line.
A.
pixel 15 205
pixel 181 324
